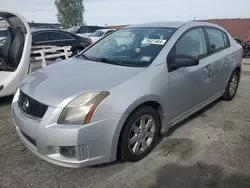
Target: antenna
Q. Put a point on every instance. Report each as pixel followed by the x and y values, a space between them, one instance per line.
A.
pixel 194 18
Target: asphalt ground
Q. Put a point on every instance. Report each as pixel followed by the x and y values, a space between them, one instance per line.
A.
pixel 209 149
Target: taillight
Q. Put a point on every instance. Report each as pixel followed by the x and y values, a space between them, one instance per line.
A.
pixel 90 41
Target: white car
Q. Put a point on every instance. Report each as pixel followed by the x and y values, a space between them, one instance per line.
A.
pixel 15 52
pixel 97 35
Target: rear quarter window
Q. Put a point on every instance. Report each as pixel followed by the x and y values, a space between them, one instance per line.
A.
pixel 226 40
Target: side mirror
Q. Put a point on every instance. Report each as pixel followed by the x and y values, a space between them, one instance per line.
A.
pixel 184 61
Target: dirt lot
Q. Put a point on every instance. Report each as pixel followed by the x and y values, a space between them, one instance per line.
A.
pixel 211 149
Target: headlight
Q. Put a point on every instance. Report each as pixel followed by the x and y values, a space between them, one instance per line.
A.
pixel 80 110
pixel 15 98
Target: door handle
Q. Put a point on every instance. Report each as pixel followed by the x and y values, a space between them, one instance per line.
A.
pixel 207 69
pixel 230 56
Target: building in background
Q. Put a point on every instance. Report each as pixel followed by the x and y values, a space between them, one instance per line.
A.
pixel 237 27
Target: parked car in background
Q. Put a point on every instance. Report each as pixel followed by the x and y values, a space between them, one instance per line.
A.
pixel 98 34
pixel 73 29
pixel 85 30
pixel 246 49
pixel 238 40
pixel 3 33
pixel 53 37
pixel 114 99
pixel 59 38
pixel 44 27
pixel 245 45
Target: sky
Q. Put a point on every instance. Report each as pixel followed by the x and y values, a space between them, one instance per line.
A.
pixel 119 12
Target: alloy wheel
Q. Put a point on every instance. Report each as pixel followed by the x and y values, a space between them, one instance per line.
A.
pixel 233 85
pixel 141 134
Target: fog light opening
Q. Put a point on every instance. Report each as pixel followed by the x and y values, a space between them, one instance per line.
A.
pixel 68 151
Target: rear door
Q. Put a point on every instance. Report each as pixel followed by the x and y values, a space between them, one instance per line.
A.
pixel 189 86
pixel 221 54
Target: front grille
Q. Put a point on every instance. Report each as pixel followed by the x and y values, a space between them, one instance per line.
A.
pixel 31 140
pixel 31 107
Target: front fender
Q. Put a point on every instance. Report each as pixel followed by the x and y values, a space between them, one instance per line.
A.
pixel 127 112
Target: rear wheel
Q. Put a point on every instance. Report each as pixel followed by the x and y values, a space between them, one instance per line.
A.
pixel 139 134
pixel 232 86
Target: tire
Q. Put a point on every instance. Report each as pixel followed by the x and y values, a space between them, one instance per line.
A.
pixel 229 93
pixel 130 152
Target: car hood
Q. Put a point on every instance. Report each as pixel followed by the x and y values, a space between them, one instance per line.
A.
pixel 69 78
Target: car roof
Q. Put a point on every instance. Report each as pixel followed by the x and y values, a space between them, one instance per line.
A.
pixel 160 24
pixel 177 24
pixel 92 26
pixel 105 30
pixel 43 29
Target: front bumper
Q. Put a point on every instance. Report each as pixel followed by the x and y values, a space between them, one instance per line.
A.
pixel 93 142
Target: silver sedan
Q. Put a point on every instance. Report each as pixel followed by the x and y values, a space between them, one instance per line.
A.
pixel 116 97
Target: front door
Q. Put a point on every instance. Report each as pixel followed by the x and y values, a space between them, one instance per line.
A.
pixel 189 86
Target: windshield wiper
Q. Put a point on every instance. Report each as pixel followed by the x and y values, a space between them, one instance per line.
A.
pixel 115 62
pixel 82 55
pixel 85 57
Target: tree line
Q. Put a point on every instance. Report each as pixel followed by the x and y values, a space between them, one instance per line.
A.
pixel 70 12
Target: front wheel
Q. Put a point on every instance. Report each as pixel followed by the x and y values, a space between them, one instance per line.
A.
pixel 139 134
pixel 232 86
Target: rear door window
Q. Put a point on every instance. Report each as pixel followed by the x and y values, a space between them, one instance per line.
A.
pixel 216 39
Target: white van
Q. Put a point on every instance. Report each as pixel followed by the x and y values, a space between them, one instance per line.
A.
pixel 14 52
pixel 17 55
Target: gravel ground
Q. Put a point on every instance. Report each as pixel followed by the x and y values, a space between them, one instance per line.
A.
pixel 210 149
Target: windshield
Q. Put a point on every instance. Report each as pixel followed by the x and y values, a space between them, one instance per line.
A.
pixel 97 34
pixel 136 47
